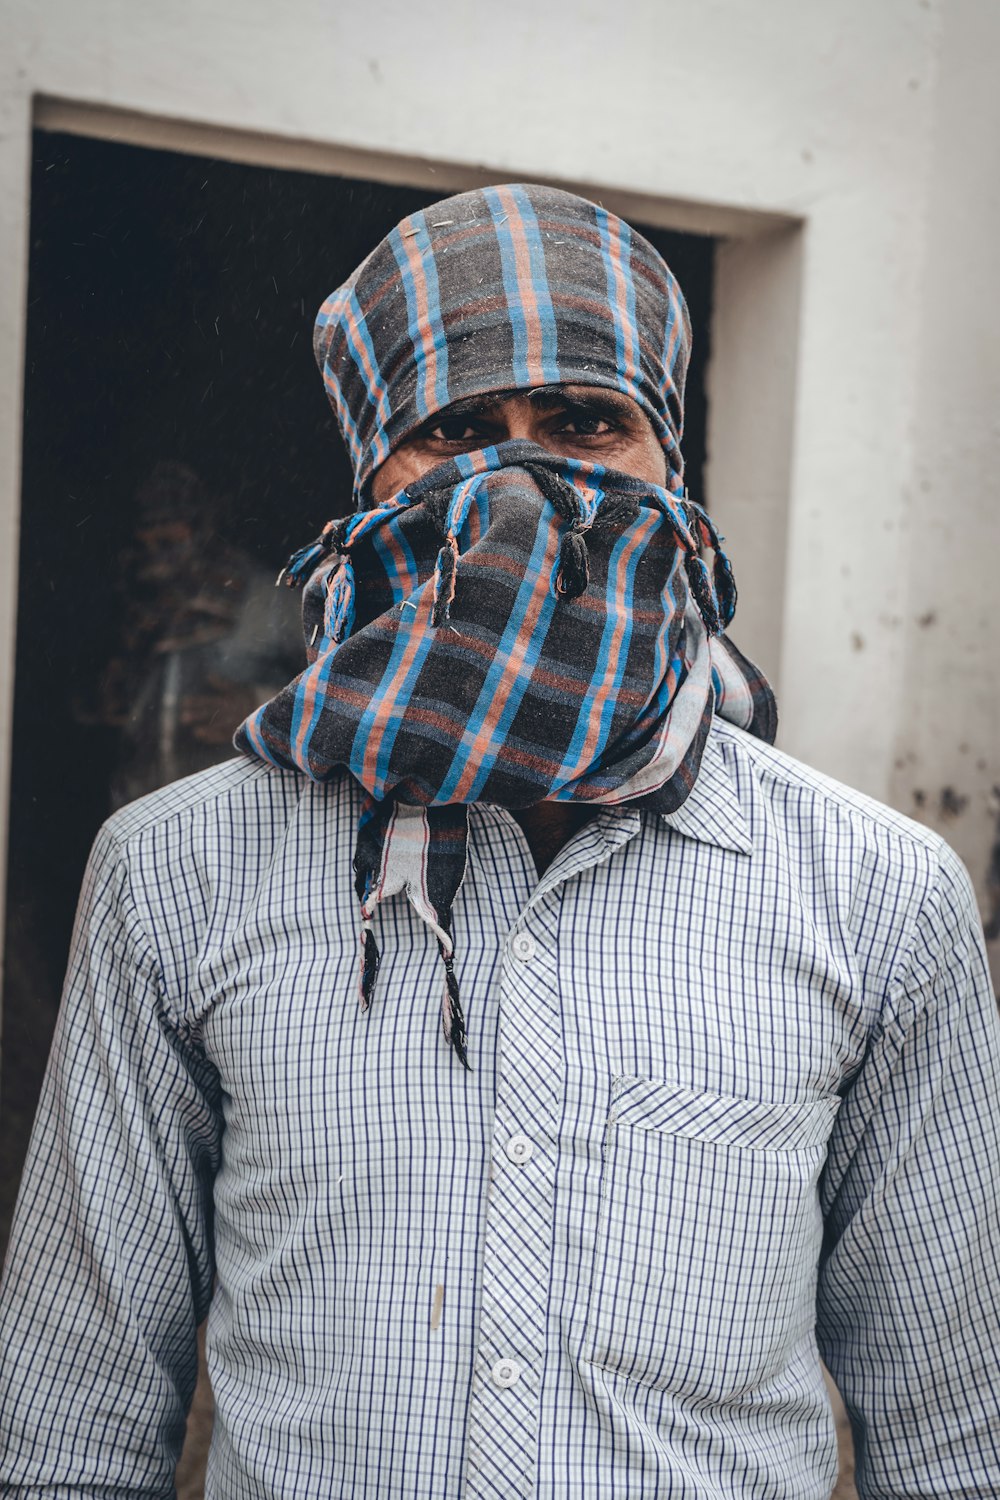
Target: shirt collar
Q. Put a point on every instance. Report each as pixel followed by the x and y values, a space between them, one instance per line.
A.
pixel 711 812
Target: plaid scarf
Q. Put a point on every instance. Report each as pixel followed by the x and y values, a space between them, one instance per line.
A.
pixel 515 626
pixel 507 288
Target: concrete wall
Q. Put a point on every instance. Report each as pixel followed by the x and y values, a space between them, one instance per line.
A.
pixel 848 152
pixel 947 752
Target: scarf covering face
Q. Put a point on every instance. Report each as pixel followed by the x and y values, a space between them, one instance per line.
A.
pixel 515 626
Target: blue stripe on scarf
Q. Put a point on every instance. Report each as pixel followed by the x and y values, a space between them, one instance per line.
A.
pixel 466 465
pixel 389 562
pixel 392 727
pixel 539 286
pixel 414 324
pixel 358 339
pixel 320 677
pixel 669 674
pixel 252 727
pixel 668 601
pixel 628 381
pixel 499 668
pixel 604 651
pixel 347 424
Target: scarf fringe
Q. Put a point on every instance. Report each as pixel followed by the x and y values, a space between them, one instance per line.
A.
pixel 452 1015
pixel 338 612
pixel 725 586
pixel 573 572
pixel 444 581
pixel 723 582
pixel 371 960
pixel 714 594
pixel 703 593
pixel 303 562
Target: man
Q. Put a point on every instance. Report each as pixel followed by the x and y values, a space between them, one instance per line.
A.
pixel 729 1094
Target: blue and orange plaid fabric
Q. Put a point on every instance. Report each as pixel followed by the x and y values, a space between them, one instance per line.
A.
pixel 516 626
pixel 508 288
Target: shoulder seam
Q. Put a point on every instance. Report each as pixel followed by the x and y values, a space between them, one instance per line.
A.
pixel 125 838
pixel 180 1028
pixel 896 991
pixel 915 835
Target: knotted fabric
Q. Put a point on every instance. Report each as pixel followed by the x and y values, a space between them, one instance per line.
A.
pixel 507 288
pixel 514 627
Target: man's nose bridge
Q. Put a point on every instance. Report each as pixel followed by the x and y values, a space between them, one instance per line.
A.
pixel 524 423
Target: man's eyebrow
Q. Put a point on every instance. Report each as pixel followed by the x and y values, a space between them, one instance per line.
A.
pixel 582 398
pixel 595 399
pixel 471 406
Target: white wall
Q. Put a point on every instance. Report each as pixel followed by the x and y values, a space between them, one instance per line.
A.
pixel 847 117
pixel 947 747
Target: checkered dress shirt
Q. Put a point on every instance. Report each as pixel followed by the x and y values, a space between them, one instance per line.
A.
pixel 733 1106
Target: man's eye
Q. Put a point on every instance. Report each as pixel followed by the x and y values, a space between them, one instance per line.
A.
pixel 455 430
pixel 584 425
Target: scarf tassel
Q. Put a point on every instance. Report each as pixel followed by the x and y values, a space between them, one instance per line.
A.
pixel 723 582
pixel 338 615
pixel 574 565
pixel 715 596
pixel 444 581
pixel 452 1015
pixel 725 586
pixel 370 961
pixel 302 562
pixel 703 593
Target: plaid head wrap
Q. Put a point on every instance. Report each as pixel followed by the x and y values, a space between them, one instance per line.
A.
pixel 515 626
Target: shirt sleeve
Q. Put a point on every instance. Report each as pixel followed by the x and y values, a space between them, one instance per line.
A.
pixel 110 1264
pixel 909 1292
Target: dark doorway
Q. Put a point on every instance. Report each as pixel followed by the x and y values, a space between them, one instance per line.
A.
pixel 169 379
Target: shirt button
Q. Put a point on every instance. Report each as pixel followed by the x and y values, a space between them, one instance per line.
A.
pixel 506 1372
pixel 524 946
pixel 519 1149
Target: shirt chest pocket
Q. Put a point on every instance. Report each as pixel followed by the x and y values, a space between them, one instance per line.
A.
pixel 708 1238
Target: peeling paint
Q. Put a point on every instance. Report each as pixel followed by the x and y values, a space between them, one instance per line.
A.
pixel 952 803
pixel 992 923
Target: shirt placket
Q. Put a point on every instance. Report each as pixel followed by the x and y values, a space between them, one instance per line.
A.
pixel 504 1407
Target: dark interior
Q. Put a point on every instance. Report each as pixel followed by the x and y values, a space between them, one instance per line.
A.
pixel 168 371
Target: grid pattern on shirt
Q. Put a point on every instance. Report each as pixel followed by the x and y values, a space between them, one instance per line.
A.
pixel 733 1102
